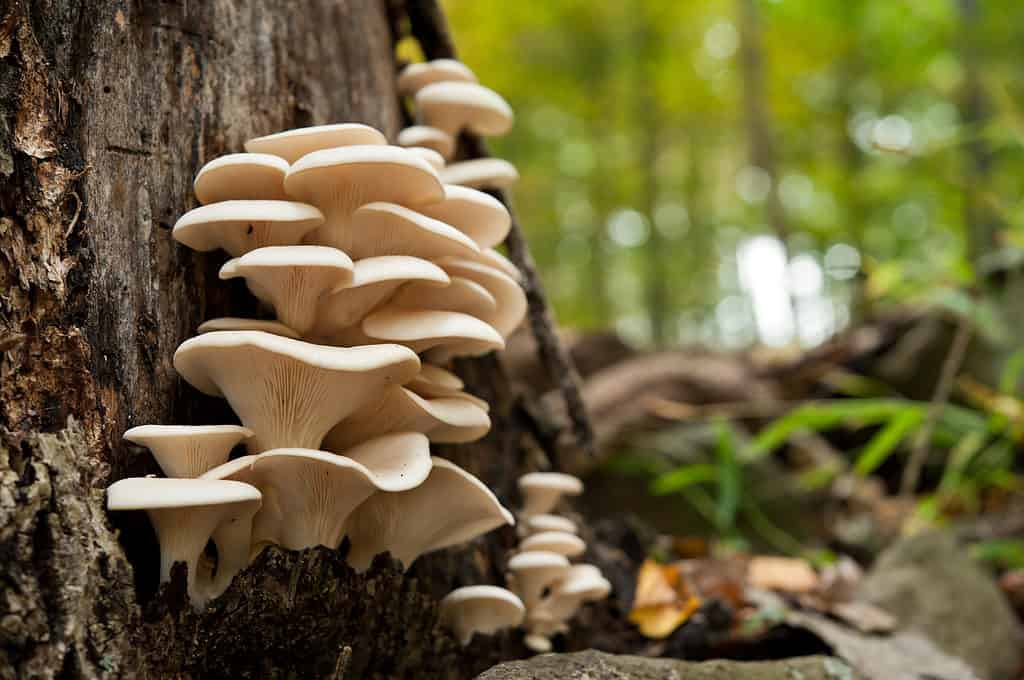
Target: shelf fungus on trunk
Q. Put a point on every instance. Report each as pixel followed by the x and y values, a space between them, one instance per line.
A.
pixel 239 227
pixel 241 176
pixel 480 609
pixel 291 145
pixel 186 514
pixel 290 393
pixel 450 507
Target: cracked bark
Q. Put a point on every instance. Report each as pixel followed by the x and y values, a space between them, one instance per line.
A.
pixel 107 109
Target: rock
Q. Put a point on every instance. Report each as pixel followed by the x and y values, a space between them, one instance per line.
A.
pixel 930 584
pixel 594 665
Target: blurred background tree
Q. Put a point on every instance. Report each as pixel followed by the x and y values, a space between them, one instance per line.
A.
pixel 739 172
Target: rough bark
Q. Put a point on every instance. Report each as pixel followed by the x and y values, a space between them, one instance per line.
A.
pixel 107 110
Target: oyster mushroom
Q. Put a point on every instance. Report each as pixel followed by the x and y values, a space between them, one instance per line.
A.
pixel 542 490
pixel 480 609
pixel 416 76
pixel 241 226
pixel 429 138
pixel 291 145
pixel 241 176
pixel 188 450
pixel 481 173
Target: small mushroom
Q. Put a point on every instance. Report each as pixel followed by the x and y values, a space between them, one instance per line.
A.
pixel 481 173
pixel 290 392
pixel 461 295
pixel 510 308
pixel 374 280
pixel 241 176
pixel 492 258
pixel 427 137
pixel 425 386
pixel 241 226
pixel 582 583
pixel 450 507
pixel 310 494
pixel 480 609
pixel 235 323
pixel 291 145
pixel 380 228
pixel 542 490
pixel 432 157
pixel 537 643
pixel 416 76
pixel 456 106
pixel 475 213
pixel 188 450
pixel 446 420
pixel 537 523
pixel 292 279
pixel 534 572
pixel 424 329
pixel 185 513
pixel 560 542
pixel 341 180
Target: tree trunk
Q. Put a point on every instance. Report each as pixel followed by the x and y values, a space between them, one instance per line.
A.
pixel 107 110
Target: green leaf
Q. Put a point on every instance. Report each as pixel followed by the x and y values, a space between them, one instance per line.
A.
pixel 729 477
pixel 683 477
pixel 1002 552
pixel 886 440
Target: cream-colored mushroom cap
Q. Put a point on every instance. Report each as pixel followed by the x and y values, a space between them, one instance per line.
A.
pixel 427 388
pixel 478 215
pixel 292 279
pixel 510 299
pixel 416 76
pixel 314 492
pixel 542 490
pixel 537 523
pixel 424 329
pixel 453 106
pixel 374 281
pixel 445 420
pixel 481 173
pixel 559 542
pixel 480 609
pixel 461 295
pixel 492 258
pixel 427 137
pixel 450 507
pixel 188 450
pixel 537 643
pixel 534 571
pixel 236 323
pixel 241 176
pixel 582 583
pixel 389 229
pixel 185 514
pixel 341 180
pixel 291 145
pixel 289 391
pixel 241 226
pixel 432 157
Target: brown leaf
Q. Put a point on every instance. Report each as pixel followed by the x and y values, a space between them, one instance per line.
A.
pixel 785 574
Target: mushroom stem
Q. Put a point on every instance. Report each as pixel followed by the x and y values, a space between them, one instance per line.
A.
pixel 183 534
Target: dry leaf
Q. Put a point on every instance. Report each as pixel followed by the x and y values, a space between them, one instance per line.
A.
pixel 662 602
pixel 785 574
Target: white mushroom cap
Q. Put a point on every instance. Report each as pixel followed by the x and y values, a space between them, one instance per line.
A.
pixel 416 76
pixel 429 390
pixel 236 323
pixel 560 542
pixel 510 308
pixel 427 137
pixel 314 492
pixel 291 145
pixel 537 523
pixel 244 176
pixel 188 450
pixel 185 514
pixel 374 280
pixel 542 490
pixel 535 571
pixel 241 226
pixel 450 507
pixel 440 376
pixel 582 583
pixel 475 213
pixel 461 295
pixel 453 106
pixel 537 643
pixel 289 391
pixel 423 329
pixel 432 157
pixel 480 609
pixel 380 228
pixel 481 173
pixel 492 258
pixel 445 420
pixel 292 279
pixel 340 180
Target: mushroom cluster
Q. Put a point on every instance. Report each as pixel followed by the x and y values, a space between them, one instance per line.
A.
pixel 367 259
pixel 550 587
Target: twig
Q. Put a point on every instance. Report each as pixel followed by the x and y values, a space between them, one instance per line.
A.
pixel 950 367
pixel 430 28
